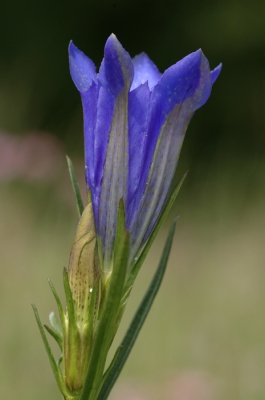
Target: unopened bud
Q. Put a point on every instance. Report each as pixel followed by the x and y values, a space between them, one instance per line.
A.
pixel 83 270
pixel 83 273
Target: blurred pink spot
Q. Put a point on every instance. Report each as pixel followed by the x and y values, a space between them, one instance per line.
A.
pixel 36 156
pixel 125 392
pixel 191 385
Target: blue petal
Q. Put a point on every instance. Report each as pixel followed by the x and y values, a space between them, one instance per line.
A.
pixel 165 162
pixel 183 88
pixel 177 83
pixel 105 112
pixel 111 140
pixel 216 72
pixel 89 102
pixel 114 181
pixel 138 125
pixel 82 69
pixel 189 78
pixel 160 174
pixel 183 80
pixel 116 71
pixel 144 71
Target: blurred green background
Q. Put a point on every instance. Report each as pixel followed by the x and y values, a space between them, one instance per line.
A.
pixel 205 337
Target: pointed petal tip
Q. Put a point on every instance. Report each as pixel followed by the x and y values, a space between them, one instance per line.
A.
pixel 144 71
pixel 82 69
pixel 116 70
pixel 72 49
pixel 216 72
pixel 198 54
pixel 112 41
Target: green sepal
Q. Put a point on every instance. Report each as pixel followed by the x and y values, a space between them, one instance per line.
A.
pixel 120 227
pixel 60 309
pixel 56 324
pixel 120 231
pixel 54 334
pixel 134 272
pixel 106 325
pixel 55 369
pixel 138 320
pixel 69 300
pixel 121 309
pixel 125 296
pixel 78 198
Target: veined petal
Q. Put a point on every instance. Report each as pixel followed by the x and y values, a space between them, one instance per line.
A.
pixel 114 180
pixel 82 69
pixel 165 161
pixel 139 103
pixel 89 102
pixel 144 71
pixel 160 174
pixel 115 76
pixel 182 89
pixel 105 111
pixel 178 82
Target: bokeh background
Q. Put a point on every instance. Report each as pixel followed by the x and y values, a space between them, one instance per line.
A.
pixel 205 336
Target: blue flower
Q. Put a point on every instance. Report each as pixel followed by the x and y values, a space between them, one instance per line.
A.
pixel 135 119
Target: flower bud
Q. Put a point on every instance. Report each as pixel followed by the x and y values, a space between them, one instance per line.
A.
pixel 83 272
pixel 83 268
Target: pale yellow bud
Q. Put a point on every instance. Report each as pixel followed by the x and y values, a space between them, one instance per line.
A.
pixel 83 273
pixel 83 268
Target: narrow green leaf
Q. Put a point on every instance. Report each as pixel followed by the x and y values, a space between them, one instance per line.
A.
pixel 54 334
pixel 55 369
pixel 106 325
pixel 59 304
pixel 150 241
pixel 106 373
pixel 78 198
pixel 138 320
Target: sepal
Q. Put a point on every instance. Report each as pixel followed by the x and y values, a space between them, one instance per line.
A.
pixel 56 332
pixel 56 325
pixel 59 305
pixel 78 197
pixel 55 368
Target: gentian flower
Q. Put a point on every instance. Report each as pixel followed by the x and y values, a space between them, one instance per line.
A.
pixel 135 119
